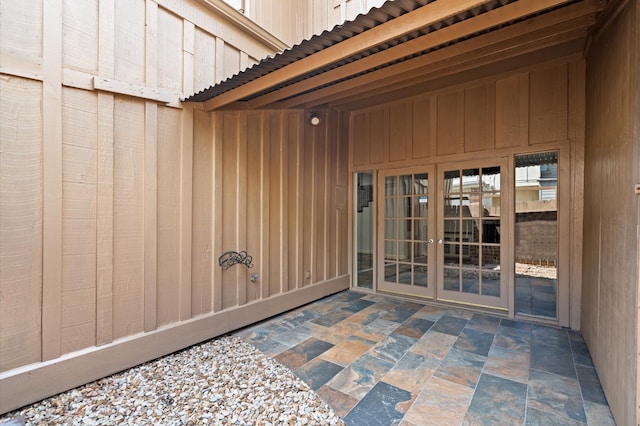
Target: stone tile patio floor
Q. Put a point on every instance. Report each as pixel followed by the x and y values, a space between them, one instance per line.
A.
pixel 379 360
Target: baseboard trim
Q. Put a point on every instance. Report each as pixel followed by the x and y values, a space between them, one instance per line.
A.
pixel 28 384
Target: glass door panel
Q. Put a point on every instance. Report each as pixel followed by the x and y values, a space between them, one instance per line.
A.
pixel 536 234
pixel 469 249
pixel 364 221
pixel 407 246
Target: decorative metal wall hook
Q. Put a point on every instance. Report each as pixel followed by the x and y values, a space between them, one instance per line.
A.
pixel 230 258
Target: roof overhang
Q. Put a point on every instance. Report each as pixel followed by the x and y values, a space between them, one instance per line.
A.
pixel 405 46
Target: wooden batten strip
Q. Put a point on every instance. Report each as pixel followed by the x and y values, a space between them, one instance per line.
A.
pixel 151 171
pixel 52 176
pixel 405 24
pixel 150 216
pixel 186 212
pixel 104 222
pixel 217 123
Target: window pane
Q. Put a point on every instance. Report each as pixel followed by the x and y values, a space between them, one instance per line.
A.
pixel 536 233
pixel 364 229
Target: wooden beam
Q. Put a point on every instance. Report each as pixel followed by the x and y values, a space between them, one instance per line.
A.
pixel 470 71
pixel 556 21
pixel 461 29
pixel 405 24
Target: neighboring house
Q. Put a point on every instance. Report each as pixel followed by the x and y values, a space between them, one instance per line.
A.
pixel 386 155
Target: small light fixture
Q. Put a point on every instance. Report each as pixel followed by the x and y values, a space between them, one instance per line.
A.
pixel 314 120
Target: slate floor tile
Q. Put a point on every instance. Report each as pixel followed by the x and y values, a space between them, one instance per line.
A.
pixel 271 347
pixel 461 367
pixel 365 316
pixel 392 348
pixel 537 417
pixel 553 358
pixel 412 372
pixel 477 342
pixel 511 398
pixel 485 323
pixel 590 385
pixel 382 326
pixel 378 407
pixel 317 372
pixel 340 332
pixel 436 365
pixel 598 414
pixel 508 363
pixel 340 402
pixel 402 312
pixel 430 313
pixel 302 353
pixel 293 337
pixel 434 344
pixel 555 394
pixel 449 324
pixel 347 351
pixel 414 327
pixel 580 351
pixel 357 305
pixel 331 318
pixel 513 338
pixel 358 378
pixel 441 402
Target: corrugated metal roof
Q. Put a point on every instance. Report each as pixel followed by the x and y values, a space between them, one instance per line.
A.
pixel 362 23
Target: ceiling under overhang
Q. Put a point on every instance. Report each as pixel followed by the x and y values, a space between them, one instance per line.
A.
pixel 407 47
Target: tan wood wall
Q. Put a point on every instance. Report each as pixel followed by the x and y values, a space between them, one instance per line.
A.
pixel 534 109
pixel 295 20
pixel 612 161
pixel 116 200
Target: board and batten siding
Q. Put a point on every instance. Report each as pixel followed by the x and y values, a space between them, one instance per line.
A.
pixel 535 109
pixel 611 302
pixel 116 200
pixel 495 115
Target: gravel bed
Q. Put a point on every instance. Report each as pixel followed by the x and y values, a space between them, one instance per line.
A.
pixel 224 381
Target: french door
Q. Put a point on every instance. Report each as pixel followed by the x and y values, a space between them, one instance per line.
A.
pixel 440 230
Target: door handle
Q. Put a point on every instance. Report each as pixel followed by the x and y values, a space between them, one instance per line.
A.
pixel 430 240
pixel 440 241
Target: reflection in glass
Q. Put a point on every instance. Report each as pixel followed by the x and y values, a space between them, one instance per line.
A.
pixel 536 234
pixel 491 283
pixel 406 198
pixel 420 276
pixel 471 181
pixel 404 250
pixel 420 252
pixel 420 230
pixel 390 183
pixel 404 273
pixel 451 279
pixel 390 229
pixel 390 207
pixel 390 252
pixel 404 186
pixel 420 207
pixel 390 273
pixel 364 230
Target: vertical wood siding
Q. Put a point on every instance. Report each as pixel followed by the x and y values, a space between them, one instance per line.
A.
pixel 134 200
pixel 520 110
pixel 611 212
